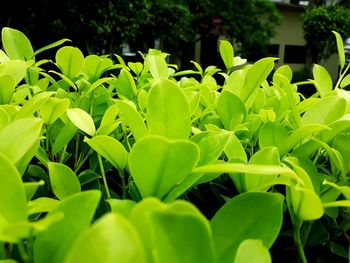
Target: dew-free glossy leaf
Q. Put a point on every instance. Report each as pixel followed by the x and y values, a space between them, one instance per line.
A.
pixel 16 68
pixel 16 44
pixel 112 238
pixel 231 110
pixel 123 207
pixel 7 88
pixel 268 156
pixel 227 53
pixel 33 104
pixel 53 244
pixel 42 205
pixel 132 118
pixel 168 113
pixel 19 137
pixel 64 181
pixel 345 81
pixel 251 215
pixel 82 120
pixel 53 109
pixel 13 205
pixel 252 251
pixel 340 48
pixel 174 233
pixel 95 66
pixel 325 111
pixel 109 148
pixel 273 134
pixel 324 83
pixel 157 66
pixel 70 60
pixel 64 136
pixel 158 164
pixel 126 85
pixel 256 75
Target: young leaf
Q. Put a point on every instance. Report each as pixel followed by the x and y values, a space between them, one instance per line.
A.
pixel 273 134
pixel 64 136
pixel 132 118
pixel 252 250
pixel 16 44
pixel 345 81
pixel 168 112
pixel 231 110
pixel 53 244
pixel 70 60
pixel 95 66
pixel 164 230
pixel 325 111
pixel 257 215
pixel 109 148
pixel 82 120
pixel 324 83
pixel 13 205
pixel 53 109
pixel 114 236
pixel 18 138
pixel 16 68
pixel 158 164
pixel 340 47
pixel 157 66
pixel 64 182
pixel 7 84
pixel 227 53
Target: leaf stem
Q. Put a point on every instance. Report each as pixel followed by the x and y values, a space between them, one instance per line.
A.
pixel 298 241
pixel 103 175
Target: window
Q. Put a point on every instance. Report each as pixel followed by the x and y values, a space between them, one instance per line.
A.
pixel 294 54
pixel 274 50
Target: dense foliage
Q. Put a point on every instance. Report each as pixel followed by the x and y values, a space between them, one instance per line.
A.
pixel 140 161
pixel 318 24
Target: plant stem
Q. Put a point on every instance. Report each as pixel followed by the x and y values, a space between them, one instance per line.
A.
pixel 103 175
pixel 298 241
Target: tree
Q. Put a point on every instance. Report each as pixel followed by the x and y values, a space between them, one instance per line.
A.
pixel 318 24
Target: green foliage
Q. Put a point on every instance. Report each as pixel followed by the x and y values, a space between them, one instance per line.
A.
pixel 101 160
pixel 318 24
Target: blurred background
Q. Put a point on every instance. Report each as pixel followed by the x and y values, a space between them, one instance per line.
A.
pixel 297 32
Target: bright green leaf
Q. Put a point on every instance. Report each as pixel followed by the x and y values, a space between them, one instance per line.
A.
pixel 158 164
pixel 82 120
pixel 16 44
pixel 70 60
pixel 256 215
pixel 227 53
pixel 252 251
pixel 64 182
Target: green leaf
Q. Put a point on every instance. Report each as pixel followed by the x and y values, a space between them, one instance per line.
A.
pixel 13 205
pixel 7 84
pixel 256 215
pixel 345 81
pixel 52 45
pixel 18 138
pixel 53 109
pixel 16 68
pixel 252 251
pixel 168 112
pixel 266 156
pixel 64 181
pixel 53 244
pixel 256 75
pixel 32 105
pixel 157 66
pixel 231 110
pixel 158 164
pixel 126 85
pixel 123 207
pixel 132 118
pixel 16 44
pixel 164 230
pixel 42 205
pixel 340 47
pixel 70 60
pixel 112 238
pixel 109 148
pixel 273 134
pixel 285 71
pixel 306 204
pixel 325 111
pixel 64 136
pixel 82 120
pixel 324 83
pixel 31 188
pixel 95 66
pixel 227 53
